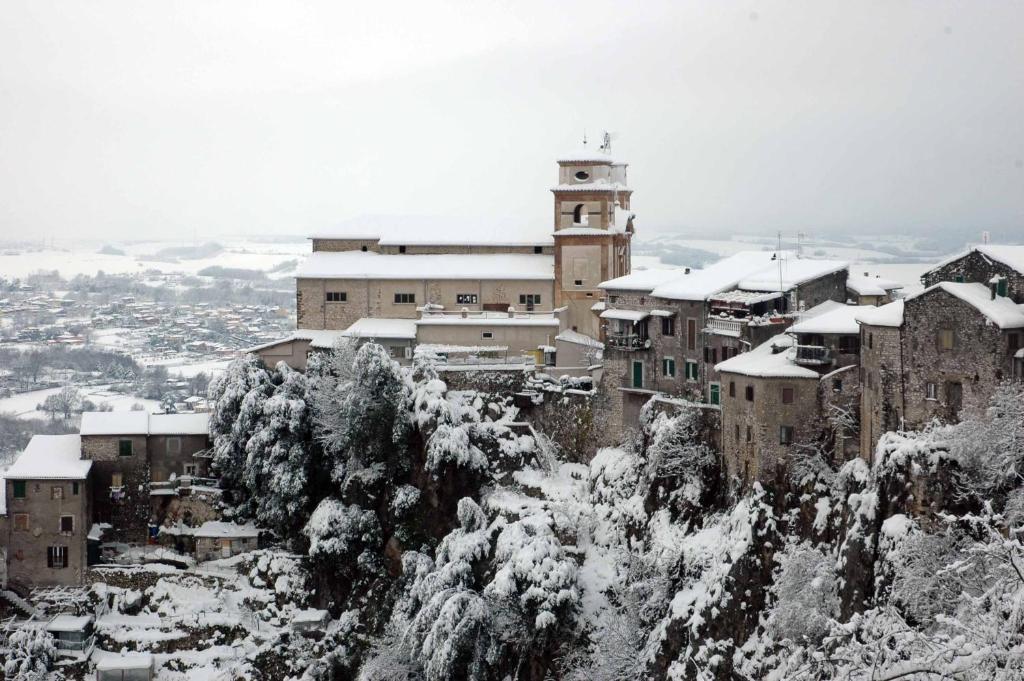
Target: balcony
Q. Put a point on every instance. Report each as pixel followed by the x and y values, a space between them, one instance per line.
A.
pixel 627 342
pixel 725 327
pixel 812 355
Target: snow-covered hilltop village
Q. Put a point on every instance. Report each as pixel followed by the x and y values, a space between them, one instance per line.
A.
pixel 490 454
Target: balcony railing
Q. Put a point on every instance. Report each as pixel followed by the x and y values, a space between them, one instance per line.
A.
pixel 629 343
pixel 812 354
pixel 726 327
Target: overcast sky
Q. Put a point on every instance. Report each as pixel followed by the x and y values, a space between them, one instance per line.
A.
pixel 169 119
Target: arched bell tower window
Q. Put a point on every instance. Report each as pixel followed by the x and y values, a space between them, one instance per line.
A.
pixel 580 215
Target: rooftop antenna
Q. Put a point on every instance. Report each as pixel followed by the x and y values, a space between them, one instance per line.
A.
pixel 584 137
pixel 985 236
pixel 781 290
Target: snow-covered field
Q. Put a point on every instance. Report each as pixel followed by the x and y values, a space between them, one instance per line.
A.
pixel 24 404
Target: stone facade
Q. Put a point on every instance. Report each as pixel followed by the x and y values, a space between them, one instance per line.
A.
pixel 174 455
pixel 376 298
pixel 119 484
pixel 754 413
pixel 881 377
pixel 975 267
pixel 338 245
pixel 35 528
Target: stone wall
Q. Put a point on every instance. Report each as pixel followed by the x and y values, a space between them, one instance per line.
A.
pixel 751 429
pixel 126 509
pixel 27 549
pixel 817 291
pixel 165 461
pixel 980 359
pixel 840 392
pixel 881 377
pixel 975 267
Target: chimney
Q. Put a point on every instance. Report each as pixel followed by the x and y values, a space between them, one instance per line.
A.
pixel 465 312
pixel 686 271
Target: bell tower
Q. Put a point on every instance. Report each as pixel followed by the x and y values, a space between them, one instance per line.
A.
pixel 593 229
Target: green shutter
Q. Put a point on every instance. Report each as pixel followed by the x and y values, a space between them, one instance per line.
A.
pixel 716 394
pixel 124 447
pixel 19 489
pixel 1001 287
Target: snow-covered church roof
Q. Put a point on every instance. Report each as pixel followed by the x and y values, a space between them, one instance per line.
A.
pixel 405 230
pixel 370 265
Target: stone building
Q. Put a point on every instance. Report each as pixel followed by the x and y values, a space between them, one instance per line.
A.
pixel 137 456
pixel 48 513
pixel 394 269
pixel 666 330
pixel 939 354
pixel 998 265
pixel 864 289
pixel 798 390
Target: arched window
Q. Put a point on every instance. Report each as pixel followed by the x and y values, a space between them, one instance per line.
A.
pixel 580 215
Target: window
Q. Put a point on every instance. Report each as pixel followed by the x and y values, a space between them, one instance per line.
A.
pixel 959 278
pixel 401 249
pixel 668 326
pixel 529 299
pixel 190 469
pixel 74 489
pixel 487 335
pixel 363 249
pixel 580 215
pixel 1002 287
pixel 582 175
pixel 785 435
pixel 931 391
pixel 692 372
pixel 21 522
pixel 57 557
pixel 714 355
pixel 848 345
pixel 405 299
pixel 748 393
pixel 19 489
pixel 57 492
pixel 1013 342
pixel 750 434
pixel 736 432
pixel 871 340
pixel 124 448
pixel 945 339
pixel 336 296
pixel 577 282
pixel 837 385
pixel 715 393
pixel 67 524
pixel 668 367
pixel 116 480
pixel 173 446
pixel 732 388
pixel 787 396
pixel 538 249
pixel 466 299
pixel 691 334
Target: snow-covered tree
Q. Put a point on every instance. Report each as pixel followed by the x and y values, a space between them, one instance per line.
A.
pixel 237 396
pixel 804 595
pixel 31 653
pixel 344 537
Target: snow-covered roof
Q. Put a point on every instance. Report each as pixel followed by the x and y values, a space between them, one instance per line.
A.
pixel 179 424
pixel 371 327
pixel 570 336
pixel 310 616
pixel 319 339
pixel 762 362
pixel 595 186
pixel 114 662
pixel 793 273
pixel 399 230
pixel 626 315
pixel 69 623
pixel 589 156
pixel 886 315
pixel 143 423
pixel 864 285
pixel 748 270
pixel 369 265
pixel 216 528
pixel 115 423
pixel 836 320
pixel 585 231
pixel 745 297
pixel 1009 255
pixel 1000 310
pixel 645 280
pixel 51 457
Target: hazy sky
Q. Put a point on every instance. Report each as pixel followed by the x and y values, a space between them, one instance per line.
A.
pixel 136 119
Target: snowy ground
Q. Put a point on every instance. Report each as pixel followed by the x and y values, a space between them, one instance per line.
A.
pixel 24 404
